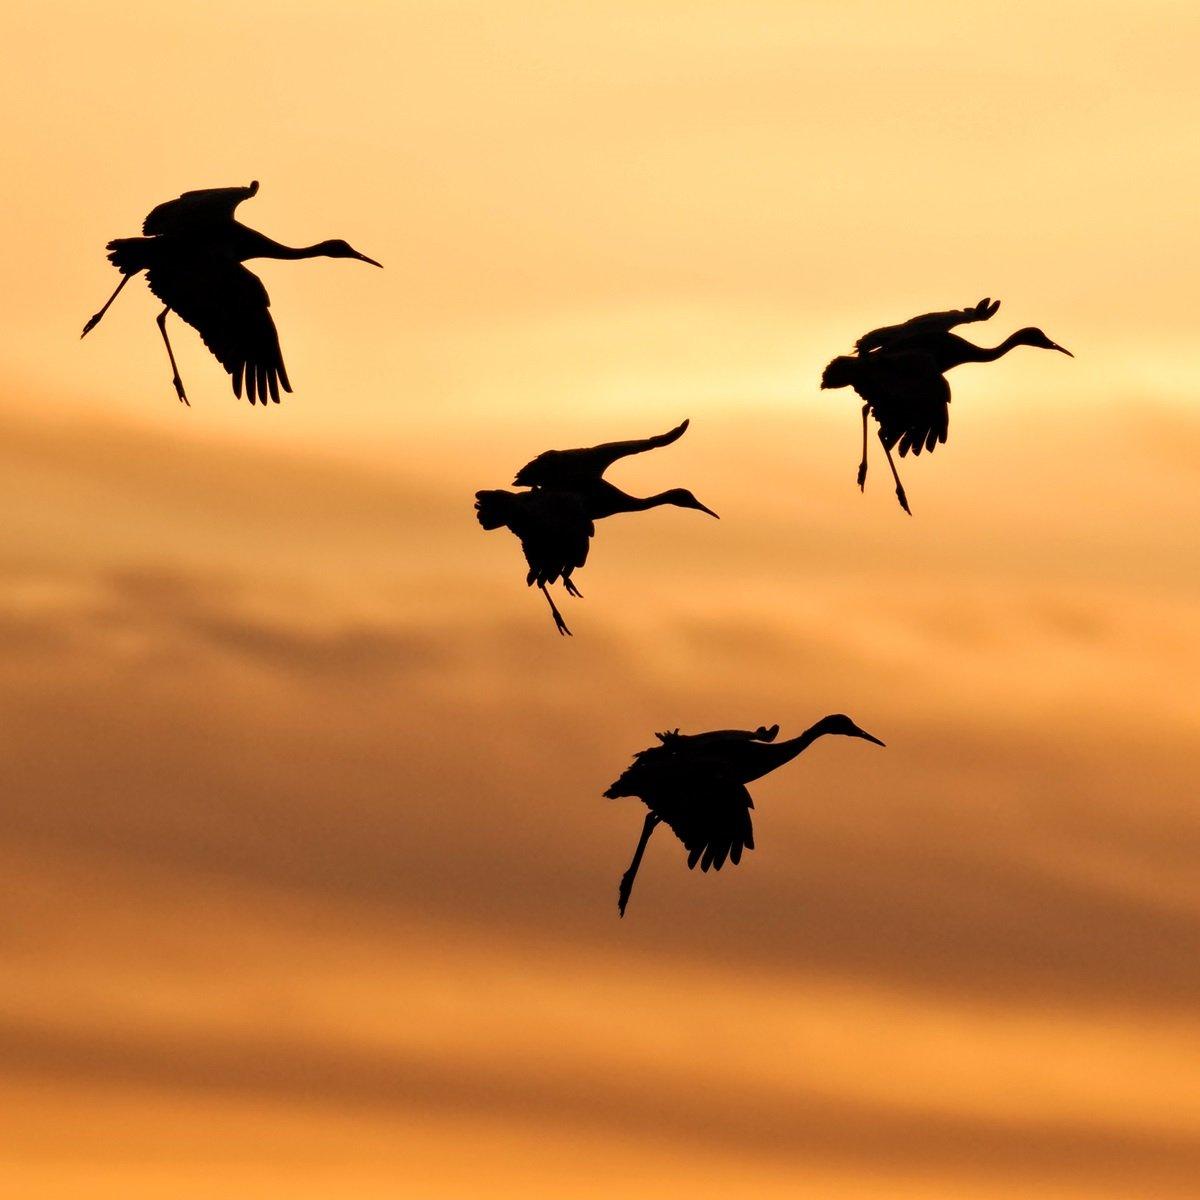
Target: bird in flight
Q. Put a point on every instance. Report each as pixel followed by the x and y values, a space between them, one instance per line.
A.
pixel 899 371
pixel 567 494
pixel 696 783
pixel 192 253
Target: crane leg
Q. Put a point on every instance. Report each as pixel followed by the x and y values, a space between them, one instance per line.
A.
pixel 559 623
pixel 896 476
pixel 161 321
pixel 627 879
pixel 94 320
pixel 572 590
pixel 862 466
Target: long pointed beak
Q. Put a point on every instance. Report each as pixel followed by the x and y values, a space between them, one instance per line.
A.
pixel 862 733
pixel 365 259
pixel 1062 349
pixel 705 508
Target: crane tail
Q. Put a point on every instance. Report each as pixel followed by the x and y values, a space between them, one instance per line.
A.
pixel 493 509
pixel 842 372
pixel 130 255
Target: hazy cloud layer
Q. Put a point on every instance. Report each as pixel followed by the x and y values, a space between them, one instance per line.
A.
pixel 269 826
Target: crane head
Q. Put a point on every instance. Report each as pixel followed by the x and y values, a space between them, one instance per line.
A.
pixel 1035 337
pixel 840 723
pixel 682 498
pixel 336 248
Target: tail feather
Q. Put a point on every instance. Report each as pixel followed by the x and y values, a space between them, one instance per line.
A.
pixel 842 372
pixel 493 509
pixel 130 255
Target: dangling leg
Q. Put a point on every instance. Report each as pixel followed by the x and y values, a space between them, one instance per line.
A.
pixel 572 590
pixel 895 475
pixel 162 328
pixel 95 320
pixel 627 879
pixel 862 466
pixel 559 623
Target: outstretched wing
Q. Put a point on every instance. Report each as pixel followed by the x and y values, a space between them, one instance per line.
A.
pixel 196 210
pixel 562 468
pixel 229 307
pixel 910 399
pixel 706 808
pixel 893 337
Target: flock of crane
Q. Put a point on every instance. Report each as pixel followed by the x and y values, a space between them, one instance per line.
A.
pixel 192 252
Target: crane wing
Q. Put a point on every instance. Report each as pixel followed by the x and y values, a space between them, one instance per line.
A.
pixel 910 399
pixel 712 819
pixel 565 467
pixel 891 337
pixel 706 808
pixel 553 527
pixel 229 307
pixel 196 210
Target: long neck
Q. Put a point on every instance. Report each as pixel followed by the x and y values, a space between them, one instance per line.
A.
pixel 606 500
pixel 763 758
pixel 258 245
pixel 991 353
pixel 641 503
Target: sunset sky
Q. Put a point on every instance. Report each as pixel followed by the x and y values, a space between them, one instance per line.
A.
pixel 310 889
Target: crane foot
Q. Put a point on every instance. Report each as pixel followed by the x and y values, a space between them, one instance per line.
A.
pixel 903 500
pixel 93 321
pixel 180 392
pixel 862 477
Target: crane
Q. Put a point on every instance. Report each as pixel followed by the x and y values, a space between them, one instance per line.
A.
pixel 696 783
pixel 555 519
pixel 899 371
pixel 192 253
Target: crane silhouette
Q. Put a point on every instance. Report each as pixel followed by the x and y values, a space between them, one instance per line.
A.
pixel 899 371
pixel 192 255
pixel 556 518
pixel 696 783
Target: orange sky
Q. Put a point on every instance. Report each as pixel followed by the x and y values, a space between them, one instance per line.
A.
pixel 311 887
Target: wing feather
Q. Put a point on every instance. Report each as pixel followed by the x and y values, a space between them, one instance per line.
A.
pixel 891 337
pixel 910 399
pixel 563 468
pixel 553 527
pixel 706 808
pixel 230 309
pixel 196 210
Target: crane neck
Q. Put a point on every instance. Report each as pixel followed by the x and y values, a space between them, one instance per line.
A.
pixel 608 500
pixel 762 757
pixel 250 243
pixel 991 353
pixel 269 248
pixel 641 503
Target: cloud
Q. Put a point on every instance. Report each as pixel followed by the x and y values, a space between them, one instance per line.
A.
pixel 301 713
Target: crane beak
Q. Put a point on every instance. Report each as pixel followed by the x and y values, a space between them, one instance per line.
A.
pixel 862 733
pixel 364 258
pixel 1061 349
pixel 704 508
